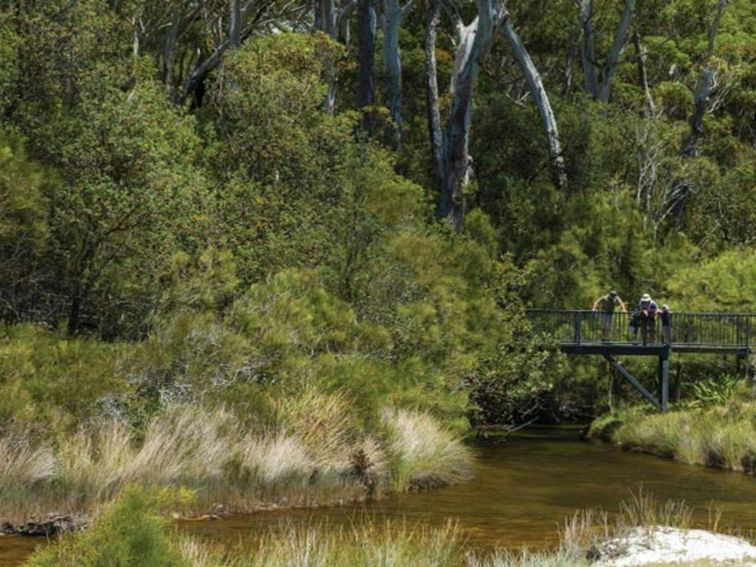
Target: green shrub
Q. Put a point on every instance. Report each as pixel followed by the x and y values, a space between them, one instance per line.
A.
pixel 57 382
pixel 130 533
pixel 715 391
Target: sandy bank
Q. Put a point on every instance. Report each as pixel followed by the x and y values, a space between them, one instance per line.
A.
pixel 665 545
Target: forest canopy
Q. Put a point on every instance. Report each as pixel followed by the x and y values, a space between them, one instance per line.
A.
pixel 235 196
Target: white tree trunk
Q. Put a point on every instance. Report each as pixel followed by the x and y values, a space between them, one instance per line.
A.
pixel 431 78
pixel 325 21
pixel 609 69
pixel 541 100
pixel 392 63
pixel 600 87
pixel 641 54
pixel 474 41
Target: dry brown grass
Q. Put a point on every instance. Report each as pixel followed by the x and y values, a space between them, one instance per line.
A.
pixel 22 465
pixel 315 455
pixel 428 454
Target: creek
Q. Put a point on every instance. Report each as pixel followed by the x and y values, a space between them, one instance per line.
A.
pixel 522 491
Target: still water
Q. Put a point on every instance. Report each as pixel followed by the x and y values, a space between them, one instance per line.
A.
pixel 522 491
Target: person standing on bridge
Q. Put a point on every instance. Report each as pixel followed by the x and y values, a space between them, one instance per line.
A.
pixel 648 309
pixel 606 305
pixel 666 320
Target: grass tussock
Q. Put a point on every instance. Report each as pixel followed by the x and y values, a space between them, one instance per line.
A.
pixel 313 453
pixel 587 529
pixel 426 455
pixel 721 436
pixel 22 465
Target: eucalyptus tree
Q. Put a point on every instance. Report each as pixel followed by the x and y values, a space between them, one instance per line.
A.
pixel 330 19
pixel 705 85
pixel 366 30
pixel 540 99
pixel 190 38
pixel 393 14
pixel 450 145
pixel 599 84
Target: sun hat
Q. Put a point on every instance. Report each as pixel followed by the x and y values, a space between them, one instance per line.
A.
pixel 645 297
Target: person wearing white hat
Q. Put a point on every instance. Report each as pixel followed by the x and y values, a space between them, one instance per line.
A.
pixel 648 309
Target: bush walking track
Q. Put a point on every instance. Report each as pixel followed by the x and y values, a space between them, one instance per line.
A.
pixel 578 332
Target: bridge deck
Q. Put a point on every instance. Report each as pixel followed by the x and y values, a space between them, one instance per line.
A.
pixel 581 332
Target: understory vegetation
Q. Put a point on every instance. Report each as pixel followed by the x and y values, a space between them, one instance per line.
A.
pixel 715 427
pixel 143 537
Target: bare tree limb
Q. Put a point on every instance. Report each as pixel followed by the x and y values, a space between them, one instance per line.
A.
pixel 540 98
pixel 609 68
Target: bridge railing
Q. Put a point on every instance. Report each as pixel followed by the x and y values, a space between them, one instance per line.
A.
pixel 583 326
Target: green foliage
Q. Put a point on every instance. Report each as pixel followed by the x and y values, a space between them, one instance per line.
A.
pixel 23 230
pixel 129 195
pixel 713 426
pixel 23 219
pixel 244 246
pixel 129 533
pixel 509 389
pixel 715 391
pixel 726 282
pixel 9 63
pixel 46 379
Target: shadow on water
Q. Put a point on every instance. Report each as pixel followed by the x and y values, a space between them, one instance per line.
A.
pixel 522 491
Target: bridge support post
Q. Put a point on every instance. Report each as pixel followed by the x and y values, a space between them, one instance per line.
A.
pixel 664 378
pixel 633 380
pixel 748 367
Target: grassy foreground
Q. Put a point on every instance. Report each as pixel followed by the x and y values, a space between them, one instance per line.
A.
pixel 314 456
pixel 721 436
pixel 132 532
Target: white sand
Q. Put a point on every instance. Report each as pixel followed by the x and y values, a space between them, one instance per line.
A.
pixel 643 546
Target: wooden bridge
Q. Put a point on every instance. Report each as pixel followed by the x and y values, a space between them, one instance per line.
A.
pixel 585 332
